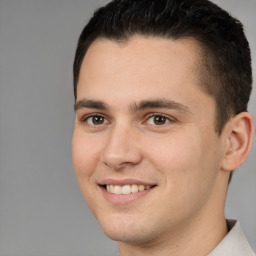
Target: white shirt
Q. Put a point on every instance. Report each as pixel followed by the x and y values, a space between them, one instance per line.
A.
pixel 234 243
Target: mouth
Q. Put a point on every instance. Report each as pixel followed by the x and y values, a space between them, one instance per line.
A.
pixel 126 189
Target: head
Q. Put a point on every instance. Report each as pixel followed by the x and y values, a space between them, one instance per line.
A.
pixel 161 92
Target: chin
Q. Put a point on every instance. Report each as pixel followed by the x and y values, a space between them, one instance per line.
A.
pixel 128 230
pixel 129 236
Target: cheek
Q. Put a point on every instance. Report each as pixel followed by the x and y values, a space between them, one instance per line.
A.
pixel 85 158
pixel 85 155
pixel 176 155
pixel 186 164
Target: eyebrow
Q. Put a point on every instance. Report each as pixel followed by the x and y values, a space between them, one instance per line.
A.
pixel 86 103
pixel 142 105
pixel 160 103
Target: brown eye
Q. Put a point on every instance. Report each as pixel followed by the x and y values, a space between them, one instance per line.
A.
pixel 96 120
pixel 159 120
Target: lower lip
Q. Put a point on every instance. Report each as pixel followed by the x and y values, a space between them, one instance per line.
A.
pixel 124 199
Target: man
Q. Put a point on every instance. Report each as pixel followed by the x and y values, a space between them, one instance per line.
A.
pixel 161 90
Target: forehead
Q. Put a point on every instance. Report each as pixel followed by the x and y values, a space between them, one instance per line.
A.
pixel 146 50
pixel 140 58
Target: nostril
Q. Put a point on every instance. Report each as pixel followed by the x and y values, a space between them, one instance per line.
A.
pixel 118 165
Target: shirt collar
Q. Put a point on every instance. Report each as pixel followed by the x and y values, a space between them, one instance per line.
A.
pixel 234 243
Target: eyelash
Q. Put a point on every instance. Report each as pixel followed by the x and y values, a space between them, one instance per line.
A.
pixel 148 117
pixel 87 117
pixel 167 121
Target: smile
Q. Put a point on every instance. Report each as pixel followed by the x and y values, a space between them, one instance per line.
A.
pixel 126 189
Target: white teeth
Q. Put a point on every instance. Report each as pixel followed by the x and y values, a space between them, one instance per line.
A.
pixel 126 189
pixel 135 189
pixel 117 190
pixel 141 187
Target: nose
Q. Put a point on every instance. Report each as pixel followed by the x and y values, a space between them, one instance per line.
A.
pixel 121 149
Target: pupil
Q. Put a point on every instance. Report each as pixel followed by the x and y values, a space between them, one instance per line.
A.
pixel 158 120
pixel 98 120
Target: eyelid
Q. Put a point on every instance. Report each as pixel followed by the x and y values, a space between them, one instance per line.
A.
pixel 84 118
pixel 169 118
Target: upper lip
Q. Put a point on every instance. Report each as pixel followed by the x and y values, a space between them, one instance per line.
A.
pixel 122 182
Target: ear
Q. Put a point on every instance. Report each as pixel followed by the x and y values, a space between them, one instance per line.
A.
pixel 238 141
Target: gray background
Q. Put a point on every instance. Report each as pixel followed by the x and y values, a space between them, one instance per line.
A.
pixel 41 209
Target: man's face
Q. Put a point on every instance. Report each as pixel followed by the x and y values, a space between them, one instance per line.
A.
pixel 145 151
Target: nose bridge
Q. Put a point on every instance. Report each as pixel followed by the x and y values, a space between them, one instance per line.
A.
pixel 121 148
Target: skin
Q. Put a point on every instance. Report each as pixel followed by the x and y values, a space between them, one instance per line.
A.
pixel 182 155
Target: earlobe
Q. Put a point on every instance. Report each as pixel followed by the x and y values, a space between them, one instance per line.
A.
pixel 239 140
